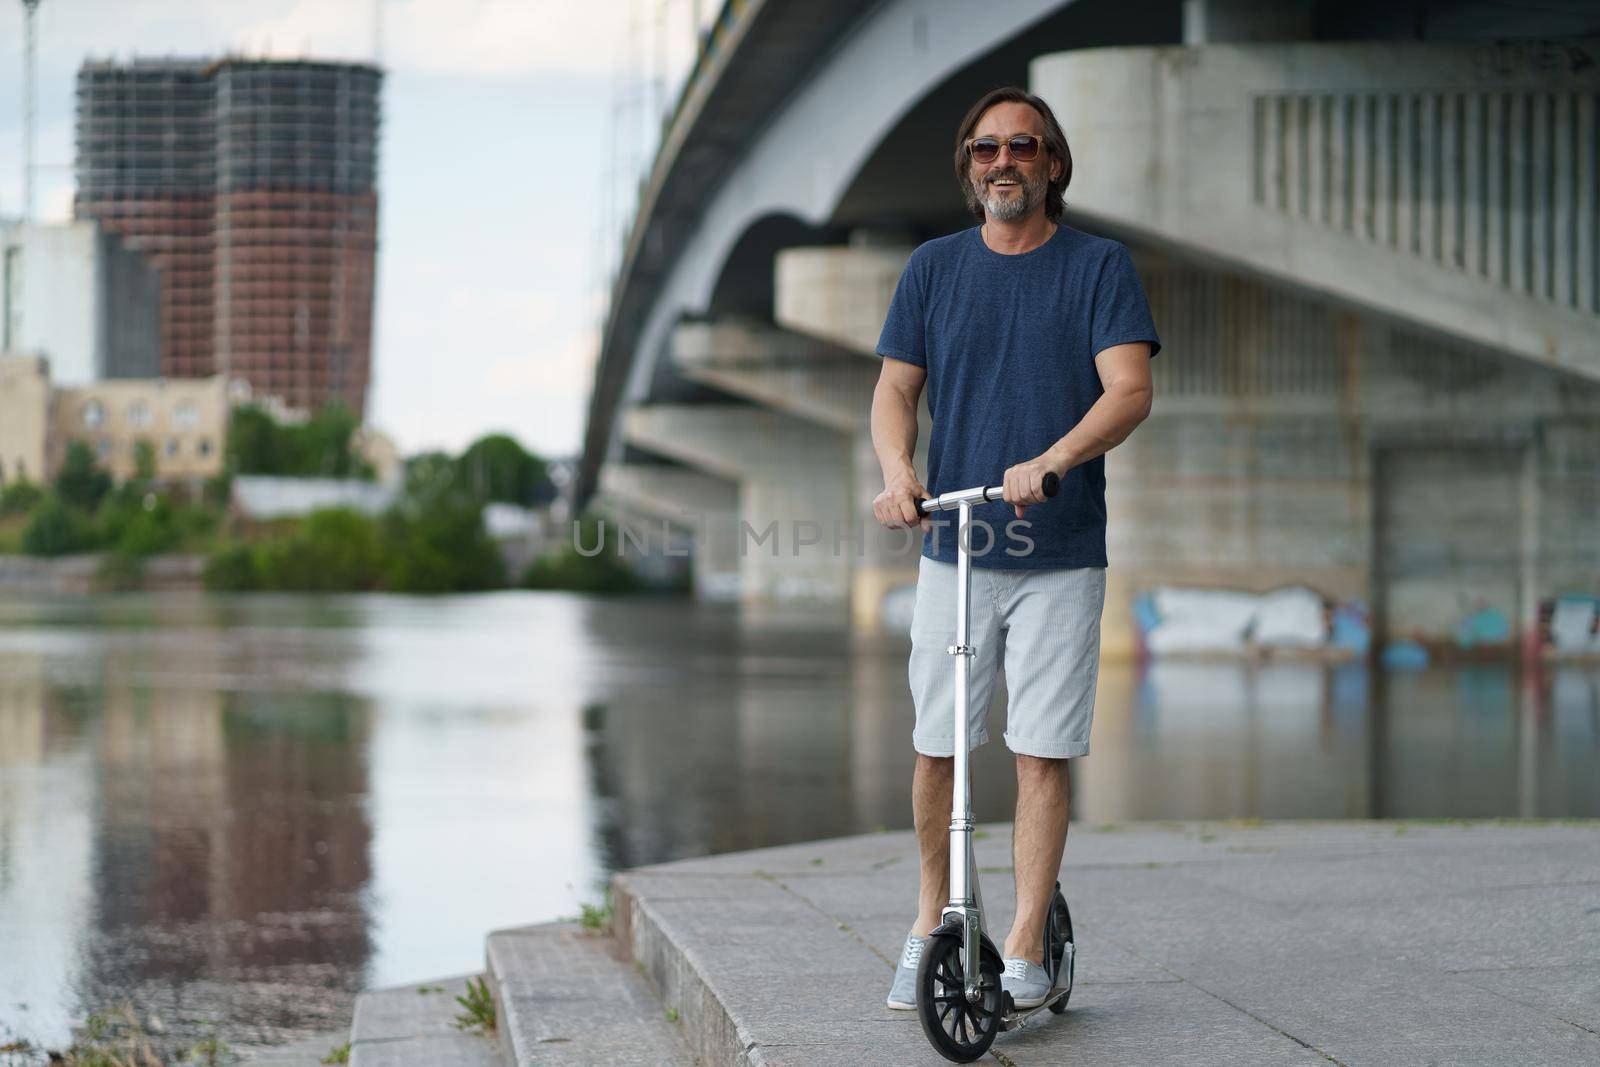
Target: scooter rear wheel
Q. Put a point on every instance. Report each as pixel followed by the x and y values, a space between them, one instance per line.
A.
pixel 960 1030
pixel 1057 935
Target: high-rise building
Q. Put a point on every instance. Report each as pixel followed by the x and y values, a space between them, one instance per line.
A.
pixel 252 186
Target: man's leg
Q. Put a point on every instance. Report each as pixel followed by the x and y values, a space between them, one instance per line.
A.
pixel 932 784
pixel 1038 838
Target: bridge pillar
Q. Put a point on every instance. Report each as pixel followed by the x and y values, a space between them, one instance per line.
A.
pixel 793 492
pixel 822 383
pixel 840 292
pixel 700 503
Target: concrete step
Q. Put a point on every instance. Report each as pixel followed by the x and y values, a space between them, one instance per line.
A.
pixel 415 1026
pixel 570 997
pixel 306 1052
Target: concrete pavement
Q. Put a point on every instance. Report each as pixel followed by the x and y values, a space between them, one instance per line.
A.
pixel 1285 943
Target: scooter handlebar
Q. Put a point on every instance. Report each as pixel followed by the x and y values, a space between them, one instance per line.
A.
pixel 981 494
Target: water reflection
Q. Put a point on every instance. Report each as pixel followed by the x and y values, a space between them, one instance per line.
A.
pixel 245 810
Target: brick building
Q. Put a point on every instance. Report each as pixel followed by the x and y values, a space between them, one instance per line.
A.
pixel 252 186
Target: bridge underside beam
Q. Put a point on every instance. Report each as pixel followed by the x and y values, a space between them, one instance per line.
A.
pixel 778 369
pixel 1417 180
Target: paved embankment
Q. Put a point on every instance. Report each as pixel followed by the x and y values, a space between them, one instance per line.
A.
pixel 1281 943
pixel 1278 943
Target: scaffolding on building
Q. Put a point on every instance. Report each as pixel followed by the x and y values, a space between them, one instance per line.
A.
pixel 252 186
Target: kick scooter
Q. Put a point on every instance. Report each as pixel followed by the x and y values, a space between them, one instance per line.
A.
pixel 959 998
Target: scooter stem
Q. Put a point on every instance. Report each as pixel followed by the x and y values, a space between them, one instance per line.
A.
pixel 961 793
pixel 966 899
pixel 963 878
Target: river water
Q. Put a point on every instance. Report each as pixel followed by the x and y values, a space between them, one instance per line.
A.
pixel 239 812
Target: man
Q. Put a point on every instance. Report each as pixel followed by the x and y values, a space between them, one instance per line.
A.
pixel 1034 340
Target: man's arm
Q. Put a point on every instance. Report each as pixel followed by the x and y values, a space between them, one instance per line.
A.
pixel 1125 375
pixel 894 438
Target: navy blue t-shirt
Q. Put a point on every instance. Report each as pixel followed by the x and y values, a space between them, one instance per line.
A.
pixel 1009 343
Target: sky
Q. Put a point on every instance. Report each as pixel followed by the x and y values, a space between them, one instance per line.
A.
pixel 502 146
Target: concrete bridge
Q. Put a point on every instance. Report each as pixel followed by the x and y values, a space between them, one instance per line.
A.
pixel 1371 244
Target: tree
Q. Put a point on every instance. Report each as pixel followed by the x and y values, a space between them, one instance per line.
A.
pixel 81 483
pixel 497 468
pixel 253 446
pixel 429 476
pixel 322 447
pixel 144 461
pixel 326 443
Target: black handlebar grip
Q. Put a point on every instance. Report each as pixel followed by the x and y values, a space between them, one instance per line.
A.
pixel 1052 483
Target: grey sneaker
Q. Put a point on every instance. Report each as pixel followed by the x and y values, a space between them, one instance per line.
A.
pixel 1027 983
pixel 903 993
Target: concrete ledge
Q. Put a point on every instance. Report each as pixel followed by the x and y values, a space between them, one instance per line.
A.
pixel 1237 942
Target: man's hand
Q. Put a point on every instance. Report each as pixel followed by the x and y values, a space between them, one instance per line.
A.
pixel 896 506
pixel 1024 483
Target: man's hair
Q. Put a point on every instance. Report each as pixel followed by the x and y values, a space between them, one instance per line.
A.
pixel 1055 142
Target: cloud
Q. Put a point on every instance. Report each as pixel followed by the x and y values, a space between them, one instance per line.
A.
pixel 55 204
pixel 461 37
pixel 517 360
pixel 568 369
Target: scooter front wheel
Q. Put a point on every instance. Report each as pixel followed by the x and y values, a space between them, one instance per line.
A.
pixel 961 1030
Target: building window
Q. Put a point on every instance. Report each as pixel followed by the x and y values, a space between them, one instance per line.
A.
pixel 93 414
pixel 187 416
pixel 105 447
pixel 139 414
pixel 172 447
pixel 204 447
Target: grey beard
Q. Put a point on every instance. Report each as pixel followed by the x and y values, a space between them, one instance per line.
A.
pixel 1007 209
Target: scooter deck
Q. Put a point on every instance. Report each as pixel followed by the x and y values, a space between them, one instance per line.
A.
pixel 1014 1020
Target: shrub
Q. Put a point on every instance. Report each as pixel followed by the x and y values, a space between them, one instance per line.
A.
pixel 152 531
pixel 232 568
pixel 336 549
pixel 569 569
pixel 442 548
pixel 19 498
pixel 54 531
pixel 603 573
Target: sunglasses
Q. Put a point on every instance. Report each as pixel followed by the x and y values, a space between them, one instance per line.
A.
pixel 1023 147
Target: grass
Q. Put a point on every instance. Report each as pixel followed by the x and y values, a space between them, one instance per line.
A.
pixel 338 1054
pixel 116 1038
pixel 596 916
pixel 672 1015
pixel 11 528
pixel 478 1007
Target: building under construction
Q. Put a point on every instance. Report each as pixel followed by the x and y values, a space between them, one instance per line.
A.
pixel 252 187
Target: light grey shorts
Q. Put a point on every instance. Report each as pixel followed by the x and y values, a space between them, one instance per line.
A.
pixel 1044 625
